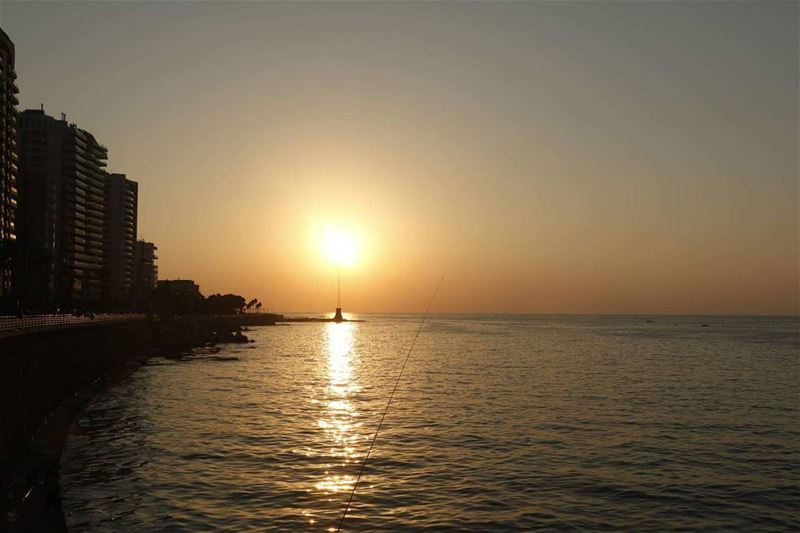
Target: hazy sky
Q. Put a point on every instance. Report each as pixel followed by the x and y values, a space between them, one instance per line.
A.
pixel 574 157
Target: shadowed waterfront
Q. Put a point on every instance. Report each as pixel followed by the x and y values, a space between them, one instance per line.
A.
pixel 51 366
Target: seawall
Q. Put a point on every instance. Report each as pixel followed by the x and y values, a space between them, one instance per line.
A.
pixel 38 373
pixel 40 370
pixel 46 377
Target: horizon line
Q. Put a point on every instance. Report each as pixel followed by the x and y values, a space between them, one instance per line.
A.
pixel 478 313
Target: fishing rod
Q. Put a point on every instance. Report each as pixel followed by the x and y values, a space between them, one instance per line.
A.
pixel 389 403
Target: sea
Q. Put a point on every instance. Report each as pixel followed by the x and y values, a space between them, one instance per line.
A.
pixel 499 423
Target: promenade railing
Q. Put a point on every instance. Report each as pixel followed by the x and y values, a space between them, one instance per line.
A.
pixel 11 325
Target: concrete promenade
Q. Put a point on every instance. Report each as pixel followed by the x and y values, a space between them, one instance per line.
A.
pixel 11 325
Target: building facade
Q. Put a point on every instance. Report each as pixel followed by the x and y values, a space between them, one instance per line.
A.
pixel 145 274
pixel 178 297
pixel 119 240
pixel 179 287
pixel 8 168
pixel 62 213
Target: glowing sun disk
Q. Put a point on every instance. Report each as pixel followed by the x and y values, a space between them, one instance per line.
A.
pixel 340 248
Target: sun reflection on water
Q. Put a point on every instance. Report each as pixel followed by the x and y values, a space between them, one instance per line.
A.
pixel 339 417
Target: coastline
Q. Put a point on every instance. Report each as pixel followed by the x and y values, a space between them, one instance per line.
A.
pixel 33 486
pixel 66 369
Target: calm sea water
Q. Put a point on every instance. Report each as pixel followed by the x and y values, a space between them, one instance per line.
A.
pixel 500 423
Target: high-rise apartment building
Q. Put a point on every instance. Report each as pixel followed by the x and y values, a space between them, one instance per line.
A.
pixel 8 166
pixel 145 274
pixel 61 206
pixel 119 240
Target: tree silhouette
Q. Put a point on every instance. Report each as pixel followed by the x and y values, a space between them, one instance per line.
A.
pixel 228 304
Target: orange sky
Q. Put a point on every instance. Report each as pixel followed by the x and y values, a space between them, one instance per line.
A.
pixel 547 157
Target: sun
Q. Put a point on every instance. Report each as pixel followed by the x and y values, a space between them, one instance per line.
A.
pixel 340 247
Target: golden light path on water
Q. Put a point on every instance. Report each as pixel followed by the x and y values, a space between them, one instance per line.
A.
pixel 505 423
pixel 338 416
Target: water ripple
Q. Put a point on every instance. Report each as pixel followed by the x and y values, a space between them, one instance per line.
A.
pixel 500 424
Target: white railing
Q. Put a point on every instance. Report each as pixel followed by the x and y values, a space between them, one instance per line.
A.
pixel 11 325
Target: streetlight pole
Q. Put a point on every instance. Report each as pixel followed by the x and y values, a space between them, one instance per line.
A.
pixel 338 317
